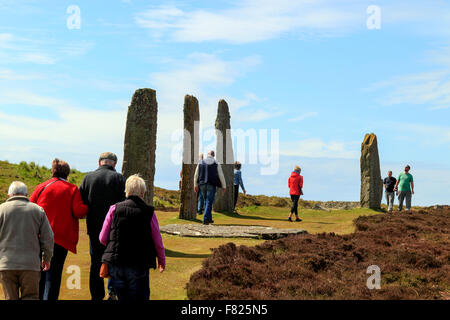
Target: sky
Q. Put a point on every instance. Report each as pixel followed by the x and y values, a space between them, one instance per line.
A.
pixel 314 76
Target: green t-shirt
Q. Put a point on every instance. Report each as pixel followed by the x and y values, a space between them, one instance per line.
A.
pixel 404 181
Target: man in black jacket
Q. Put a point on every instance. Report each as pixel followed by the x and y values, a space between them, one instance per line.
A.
pixel 100 189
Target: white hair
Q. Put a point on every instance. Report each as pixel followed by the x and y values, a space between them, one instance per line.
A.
pixel 17 188
pixel 135 186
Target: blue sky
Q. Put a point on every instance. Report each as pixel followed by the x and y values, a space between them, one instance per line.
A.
pixel 311 69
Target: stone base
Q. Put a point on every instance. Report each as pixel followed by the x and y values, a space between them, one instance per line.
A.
pixel 219 231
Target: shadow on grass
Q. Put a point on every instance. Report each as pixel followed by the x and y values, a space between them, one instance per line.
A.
pixel 177 254
pixel 243 216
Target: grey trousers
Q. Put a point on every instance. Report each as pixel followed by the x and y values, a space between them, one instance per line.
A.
pixel 390 196
pixel 402 195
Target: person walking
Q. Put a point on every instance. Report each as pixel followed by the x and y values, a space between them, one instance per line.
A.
pixel 405 188
pixel 389 184
pixel 207 178
pixel 237 182
pixel 295 184
pixel 100 190
pixel 133 241
pixel 61 201
pixel 26 244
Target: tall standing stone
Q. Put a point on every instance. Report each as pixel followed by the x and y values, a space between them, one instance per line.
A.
pixel 188 197
pixel 371 182
pixel 224 155
pixel 140 139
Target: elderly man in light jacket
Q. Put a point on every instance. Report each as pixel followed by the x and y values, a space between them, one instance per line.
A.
pixel 25 237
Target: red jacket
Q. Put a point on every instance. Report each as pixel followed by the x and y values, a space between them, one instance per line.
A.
pixel 62 203
pixel 295 183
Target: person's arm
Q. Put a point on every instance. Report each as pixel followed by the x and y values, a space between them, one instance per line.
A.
pixel 33 197
pixel 301 182
pixel 157 240
pixel 412 187
pixel 79 209
pixel 241 183
pixel 84 192
pixel 46 241
pixel 396 183
pixel 221 176
pixel 121 188
pixel 196 177
pixel 106 229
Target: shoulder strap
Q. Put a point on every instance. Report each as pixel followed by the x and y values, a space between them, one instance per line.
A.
pixel 45 188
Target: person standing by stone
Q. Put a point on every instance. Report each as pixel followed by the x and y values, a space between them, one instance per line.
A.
pixel 405 188
pixel 295 184
pixel 207 178
pixel 237 182
pixel 389 184
pixel 26 244
pixel 100 189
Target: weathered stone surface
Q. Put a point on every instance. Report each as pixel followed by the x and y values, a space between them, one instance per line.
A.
pixel 371 182
pixel 218 231
pixel 224 155
pixel 140 138
pixel 188 197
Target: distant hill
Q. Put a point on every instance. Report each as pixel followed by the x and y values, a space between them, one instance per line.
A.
pixel 32 175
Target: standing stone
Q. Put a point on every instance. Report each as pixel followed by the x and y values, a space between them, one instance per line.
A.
pixel 371 182
pixel 188 197
pixel 140 139
pixel 224 155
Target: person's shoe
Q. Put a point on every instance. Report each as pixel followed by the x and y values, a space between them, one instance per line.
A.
pixel 211 221
pixel 298 219
pixel 205 223
pixel 112 296
pixel 290 219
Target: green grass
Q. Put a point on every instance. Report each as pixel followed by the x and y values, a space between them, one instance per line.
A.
pixel 184 255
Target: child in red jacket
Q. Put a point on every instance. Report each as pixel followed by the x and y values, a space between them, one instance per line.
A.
pixel 295 184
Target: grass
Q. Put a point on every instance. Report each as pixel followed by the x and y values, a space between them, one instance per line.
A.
pixel 184 255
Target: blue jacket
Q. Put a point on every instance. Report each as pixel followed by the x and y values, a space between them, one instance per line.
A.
pixel 238 179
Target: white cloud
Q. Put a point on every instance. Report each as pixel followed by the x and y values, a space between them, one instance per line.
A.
pixel 427 88
pixel 250 20
pixel 259 20
pixel 304 116
pixel 317 148
pixel 7 74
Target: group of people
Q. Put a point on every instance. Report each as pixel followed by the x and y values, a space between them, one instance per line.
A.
pixel 208 177
pixel 37 233
pixel 403 187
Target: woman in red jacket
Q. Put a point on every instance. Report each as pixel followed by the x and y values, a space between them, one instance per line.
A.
pixel 62 203
pixel 295 184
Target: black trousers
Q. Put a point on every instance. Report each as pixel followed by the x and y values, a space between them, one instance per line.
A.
pixel 294 208
pixel 236 194
pixel 96 283
pixel 50 282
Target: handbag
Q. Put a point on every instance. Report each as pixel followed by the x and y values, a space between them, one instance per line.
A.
pixel 104 271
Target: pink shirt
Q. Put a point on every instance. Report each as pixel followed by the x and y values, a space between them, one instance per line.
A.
pixel 156 235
